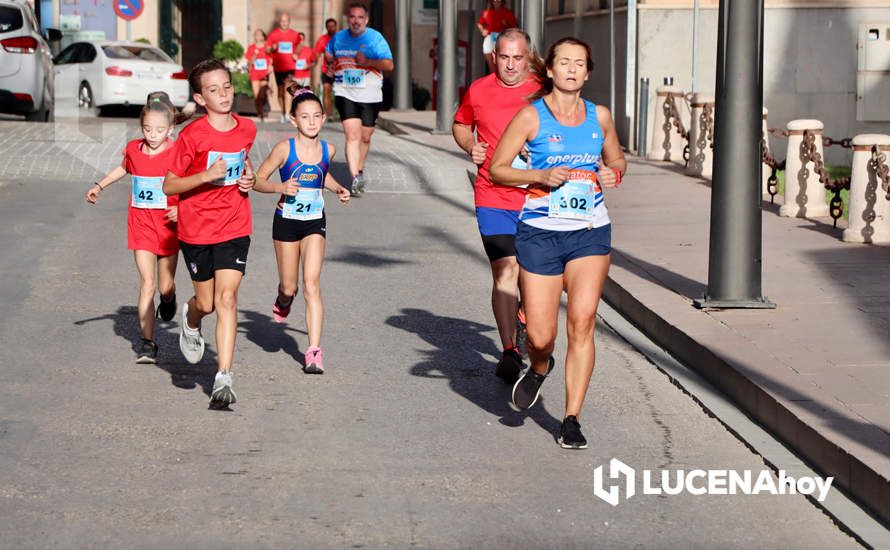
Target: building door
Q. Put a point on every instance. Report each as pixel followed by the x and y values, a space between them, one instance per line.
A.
pixel 190 28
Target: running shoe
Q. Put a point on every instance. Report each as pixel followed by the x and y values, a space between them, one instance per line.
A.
pixel 362 181
pixel 148 352
pixel 355 189
pixel 570 436
pixel 191 344
pixel 521 334
pixel 528 387
pixel 222 395
pixel 314 361
pixel 167 310
pixel 509 366
pixel 280 312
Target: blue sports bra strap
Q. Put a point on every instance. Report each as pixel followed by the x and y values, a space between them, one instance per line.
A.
pixel 325 158
pixel 293 148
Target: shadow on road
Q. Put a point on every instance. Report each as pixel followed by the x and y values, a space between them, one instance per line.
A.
pixel 272 337
pixel 459 357
pixel 125 324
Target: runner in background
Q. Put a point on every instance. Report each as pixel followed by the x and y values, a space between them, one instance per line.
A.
pixel 493 21
pixel 303 65
pixel 327 69
pixel 488 106
pixel 260 65
pixel 361 55
pixel 282 44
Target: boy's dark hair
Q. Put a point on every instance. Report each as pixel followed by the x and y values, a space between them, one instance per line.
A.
pixel 330 20
pixel 206 66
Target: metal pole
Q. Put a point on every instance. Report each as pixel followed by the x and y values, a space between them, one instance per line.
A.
pixel 403 55
pixel 612 57
pixel 475 41
pixel 129 31
pixel 696 11
pixel 446 95
pixel 734 260
pixel 533 22
pixel 642 118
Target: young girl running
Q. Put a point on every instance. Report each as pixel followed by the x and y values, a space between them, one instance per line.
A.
pixel 151 219
pixel 298 227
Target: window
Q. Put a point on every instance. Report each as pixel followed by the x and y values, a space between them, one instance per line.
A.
pixel 10 19
pixel 136 52
pixel 87 53
pixel 67 55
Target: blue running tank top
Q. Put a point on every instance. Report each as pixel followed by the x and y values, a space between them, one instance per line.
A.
pixel 310 176
pixel 578 148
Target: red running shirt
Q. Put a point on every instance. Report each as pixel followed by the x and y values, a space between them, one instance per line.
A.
pixel 148 228
pixel 489 106
pixel 498 20
pixel 304 58
pixel 258 73
pixel 210 213
pixel 320 46
pixel 283 61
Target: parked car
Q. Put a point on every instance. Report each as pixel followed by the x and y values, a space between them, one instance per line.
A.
pixel 26 69
pixel 101 73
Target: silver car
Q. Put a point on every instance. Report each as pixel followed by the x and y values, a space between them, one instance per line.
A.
pixel 26 68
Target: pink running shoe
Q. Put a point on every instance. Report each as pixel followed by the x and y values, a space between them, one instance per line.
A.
pixel 279 312
pixel 314 361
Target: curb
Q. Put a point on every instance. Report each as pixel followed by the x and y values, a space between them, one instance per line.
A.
pixel 856 478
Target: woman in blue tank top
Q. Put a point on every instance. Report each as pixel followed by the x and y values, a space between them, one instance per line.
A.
pixel 299 225
pixel 563 238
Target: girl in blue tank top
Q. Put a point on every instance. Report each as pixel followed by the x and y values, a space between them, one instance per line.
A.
pixel 299 225
pixel 563 238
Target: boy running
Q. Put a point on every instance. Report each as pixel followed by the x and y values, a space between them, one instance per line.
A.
pixel 212 177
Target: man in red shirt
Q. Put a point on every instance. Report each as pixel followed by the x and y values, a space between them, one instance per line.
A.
pixel 488 107
pixel 212 176
pixel 492 22
pixel 283 44
pixel 327 70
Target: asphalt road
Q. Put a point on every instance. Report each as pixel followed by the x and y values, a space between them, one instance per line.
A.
pixel 407 440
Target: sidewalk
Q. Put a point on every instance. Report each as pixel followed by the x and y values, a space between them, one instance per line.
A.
pixel 815 370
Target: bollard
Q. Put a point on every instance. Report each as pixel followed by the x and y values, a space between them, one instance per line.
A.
pixel 667 143
pixel 804 193
pixel 764 169
pixel 869 207
pixel 701 136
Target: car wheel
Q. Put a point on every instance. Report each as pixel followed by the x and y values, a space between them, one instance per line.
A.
pixel 44 114
pixel 85 99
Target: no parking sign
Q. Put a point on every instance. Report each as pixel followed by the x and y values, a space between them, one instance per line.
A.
pixel 128 10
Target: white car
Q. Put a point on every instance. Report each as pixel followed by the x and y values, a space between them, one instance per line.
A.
pixel 26 68
pixel 101 73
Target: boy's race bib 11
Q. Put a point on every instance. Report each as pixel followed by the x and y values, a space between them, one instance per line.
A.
pixel 234 166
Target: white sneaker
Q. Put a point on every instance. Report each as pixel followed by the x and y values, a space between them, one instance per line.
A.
pixel 191 344
pixel 222 395
pixel 283 118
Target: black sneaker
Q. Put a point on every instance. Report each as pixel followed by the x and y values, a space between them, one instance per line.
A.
pixel 528 387
pixel 167 310
pixel 570 436
pixel 148 352
pixel 509 366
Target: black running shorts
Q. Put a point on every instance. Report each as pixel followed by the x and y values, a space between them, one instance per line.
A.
pixel 499 246
pixel 351 109
pixel 289 231
pixel 202 260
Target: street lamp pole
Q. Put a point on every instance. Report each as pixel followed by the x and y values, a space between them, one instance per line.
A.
pixel 533 21
pixel 735 253
pixel 446 93
pixel 403 55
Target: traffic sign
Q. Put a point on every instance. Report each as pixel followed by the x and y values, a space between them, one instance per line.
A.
pixel 128 10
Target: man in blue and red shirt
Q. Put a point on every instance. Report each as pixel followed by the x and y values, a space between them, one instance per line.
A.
pixel 488 107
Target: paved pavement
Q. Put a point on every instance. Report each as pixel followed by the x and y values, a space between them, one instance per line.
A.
pixel 407 440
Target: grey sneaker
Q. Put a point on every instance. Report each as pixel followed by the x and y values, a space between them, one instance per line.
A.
pixel 191 344
pixel 356 188
pixel 362 181
pixel 222 395
pixel 528 387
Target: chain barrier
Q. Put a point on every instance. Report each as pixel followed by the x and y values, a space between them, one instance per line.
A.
pixel 772 184
pixel 672 117
pixel 882 171
pixel 834 185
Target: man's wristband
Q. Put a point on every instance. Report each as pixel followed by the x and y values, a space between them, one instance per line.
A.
pixel 96 183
